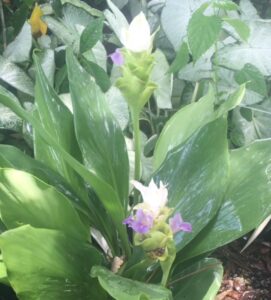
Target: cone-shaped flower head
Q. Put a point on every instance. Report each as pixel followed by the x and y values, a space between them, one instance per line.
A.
pixel 37 25
pixel 137 38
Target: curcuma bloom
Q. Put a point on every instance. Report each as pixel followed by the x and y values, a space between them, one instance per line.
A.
pixel 137 37
pixel 153 213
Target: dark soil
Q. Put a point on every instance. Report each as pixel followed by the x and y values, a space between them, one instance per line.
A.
pixel 247 275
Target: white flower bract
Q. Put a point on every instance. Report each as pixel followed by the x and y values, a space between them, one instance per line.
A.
pixel 154 197
pixel 137 38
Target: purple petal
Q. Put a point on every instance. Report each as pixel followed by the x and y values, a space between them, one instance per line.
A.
pixel 177 224
pixel 128 221
pixel 117 57
pixel 141 222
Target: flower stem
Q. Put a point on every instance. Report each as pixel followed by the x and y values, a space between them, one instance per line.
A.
pixel 137 143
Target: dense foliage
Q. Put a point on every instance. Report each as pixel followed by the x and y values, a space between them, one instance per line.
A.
pixel 127 159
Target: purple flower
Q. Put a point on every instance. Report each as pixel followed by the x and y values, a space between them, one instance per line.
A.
pixel 117 57
pixel 141 222
pixel 177 224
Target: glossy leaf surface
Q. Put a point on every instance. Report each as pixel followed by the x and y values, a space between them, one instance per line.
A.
pixel 121 288
pixel 183 124
pixel 12 157
pixel 24 199
pixel 206 275
pixel 56 119
pixel 48 265
pixel 196 176
pixel 246 203
pixel 98 133
pixel 104 191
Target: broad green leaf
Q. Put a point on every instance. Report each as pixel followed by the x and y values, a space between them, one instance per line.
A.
pixel 175 17
pixel 251 123
pixel 98 73
pixel 254 78
pixel 91 34
pixel 240 27
pixel 233 100
pixel 196 176
pixel 201 69
pixel 15 76
pixel 98 55
pixel 118 106
pixel 25 199
pixel 256 51
pixel 183 124
pixel 246 202
pixel 101 188
pixel 47 61
pixel 181 59
pixel 18 51
pixel 99 136
pixel 66 35
pixel 12 157
pixel 121 288
pixel 163 79
pixel 57 119
pixel 203 31
pixel 80 4
pixel 206 275
pixel 48 265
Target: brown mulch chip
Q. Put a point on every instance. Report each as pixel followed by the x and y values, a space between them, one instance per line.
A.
pixel 247 275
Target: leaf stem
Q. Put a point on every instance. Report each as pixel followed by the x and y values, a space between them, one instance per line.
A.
pixel 195 93
pixel 137 146
pixel 137 143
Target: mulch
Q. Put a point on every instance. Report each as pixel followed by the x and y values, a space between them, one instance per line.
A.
pixel 247 275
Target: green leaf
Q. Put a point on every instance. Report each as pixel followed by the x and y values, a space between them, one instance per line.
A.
pixel 225 4
pixel 25 199
pixel 175 17
pixel 181 59
pixel 57 119
pixel 254 78
pixel 121 288
pixel 12 157
pixel 104 191
pixel 18 51
pixel 233 100
pixel 57 7
pixel 48 265
pixel 118 106
pixel 256 51
pixel 240 27
pixel 15 76
pixel 164 81
pixel 183 124
pixel 203 31
pixel 98 73
pixel 90 36
pixel 196 176
pixel 79 4
pixel 250 178
pixel 99 136
pixel 206 275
